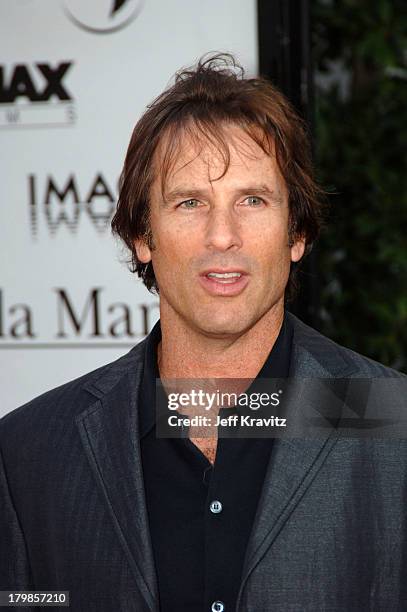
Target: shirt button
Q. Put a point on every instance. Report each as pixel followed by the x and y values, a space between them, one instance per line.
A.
pixel 216 507
pixel 218 606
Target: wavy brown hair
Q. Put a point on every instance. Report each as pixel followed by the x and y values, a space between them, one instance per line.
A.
pixel 202 101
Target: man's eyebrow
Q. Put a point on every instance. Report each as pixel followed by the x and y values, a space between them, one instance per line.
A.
pixel 180 193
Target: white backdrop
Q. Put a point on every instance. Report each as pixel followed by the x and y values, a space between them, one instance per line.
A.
pixel 75 77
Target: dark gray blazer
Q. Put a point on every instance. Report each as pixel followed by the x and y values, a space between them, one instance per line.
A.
pixel 329 535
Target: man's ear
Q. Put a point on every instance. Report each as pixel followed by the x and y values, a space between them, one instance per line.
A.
pixel 142 250
pixel 297 249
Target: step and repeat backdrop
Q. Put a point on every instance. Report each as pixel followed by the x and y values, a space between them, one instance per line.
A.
pixel 74 78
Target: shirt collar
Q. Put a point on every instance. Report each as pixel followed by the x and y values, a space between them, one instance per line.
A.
pixel 277 365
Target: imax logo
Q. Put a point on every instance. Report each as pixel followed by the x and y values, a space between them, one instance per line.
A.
pixel 63 203
pixel 24 79
pixel 35 94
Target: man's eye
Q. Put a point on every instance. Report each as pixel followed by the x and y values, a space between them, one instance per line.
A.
pixel 254 201
pixel 189 204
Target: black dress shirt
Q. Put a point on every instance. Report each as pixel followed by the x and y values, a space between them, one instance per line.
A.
pixel 200 516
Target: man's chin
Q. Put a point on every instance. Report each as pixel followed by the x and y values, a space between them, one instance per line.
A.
pixel 222 327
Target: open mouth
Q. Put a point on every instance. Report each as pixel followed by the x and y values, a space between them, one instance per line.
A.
pixel 225 277
pixel 224 283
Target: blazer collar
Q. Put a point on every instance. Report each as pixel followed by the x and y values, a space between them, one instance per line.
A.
pixel 316 356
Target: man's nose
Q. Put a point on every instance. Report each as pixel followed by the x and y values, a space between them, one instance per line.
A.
pixel 223 230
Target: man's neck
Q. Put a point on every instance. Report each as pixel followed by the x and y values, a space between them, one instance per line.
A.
pixel 184 352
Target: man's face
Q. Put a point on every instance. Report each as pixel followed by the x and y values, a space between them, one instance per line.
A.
pixel 221 256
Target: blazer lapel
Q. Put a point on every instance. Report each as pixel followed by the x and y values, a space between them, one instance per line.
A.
pixel 109 430
pixel 295 462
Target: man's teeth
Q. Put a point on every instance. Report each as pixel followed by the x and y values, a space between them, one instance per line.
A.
pixel 225 277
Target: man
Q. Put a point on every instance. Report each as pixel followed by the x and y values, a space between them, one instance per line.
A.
pixel 217 206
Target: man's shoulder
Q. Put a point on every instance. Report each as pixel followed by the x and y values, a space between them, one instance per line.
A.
pixel 331 356
pixel 71 398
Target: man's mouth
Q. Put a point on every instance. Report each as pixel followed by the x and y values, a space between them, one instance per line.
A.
pixel 224 282
pixel 224 277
